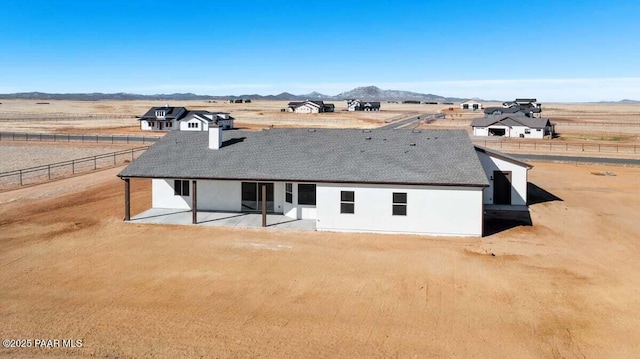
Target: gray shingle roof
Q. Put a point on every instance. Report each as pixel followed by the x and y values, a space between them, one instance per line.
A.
pixel 503 156
pixel 438 157
pixel 170 113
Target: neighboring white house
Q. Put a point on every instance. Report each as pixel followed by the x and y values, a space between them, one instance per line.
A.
pixel 179 118
pixel 512 126
pixel 162 118
pixel 201 120
pixel 431 182
pixel 309 106
pixel 360 105
pixel 471 105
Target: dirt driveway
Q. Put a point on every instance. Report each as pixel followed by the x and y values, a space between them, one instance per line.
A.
pixel 566 287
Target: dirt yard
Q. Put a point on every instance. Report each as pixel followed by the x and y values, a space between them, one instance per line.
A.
pixel 254 115
pixel 566 287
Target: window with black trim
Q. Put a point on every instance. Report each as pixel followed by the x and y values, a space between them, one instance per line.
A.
pixel 181 188
pixel 288 192
pixel 399 204
pixel 347 201
pixel 307 194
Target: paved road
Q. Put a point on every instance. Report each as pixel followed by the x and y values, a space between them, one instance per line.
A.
pixel 618 161
pixel 65 137
pixel 407 122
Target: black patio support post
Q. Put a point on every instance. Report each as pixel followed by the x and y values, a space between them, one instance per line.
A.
pixel 194 203
pixel 127 199
pixel 264 205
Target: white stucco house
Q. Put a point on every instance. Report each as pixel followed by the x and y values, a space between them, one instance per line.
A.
pixel 361 105
pixel 470 105
pixel 513 126
pixel 179 118
pixel 431 182
pixel 310 106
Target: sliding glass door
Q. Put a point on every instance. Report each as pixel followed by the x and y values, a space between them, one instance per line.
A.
pixel 252 196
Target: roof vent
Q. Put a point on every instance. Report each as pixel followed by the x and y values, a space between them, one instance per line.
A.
pixel 366 131
pixel 367 138
pixel 416 131
pixel 412 144
pixel 312 130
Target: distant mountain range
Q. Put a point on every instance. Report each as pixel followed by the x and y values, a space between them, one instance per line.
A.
pixel 370 93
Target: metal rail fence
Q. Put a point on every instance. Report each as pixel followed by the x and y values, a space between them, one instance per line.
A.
pixel 68 137
pixel 58 170
pixel 560 146
pixel 22 116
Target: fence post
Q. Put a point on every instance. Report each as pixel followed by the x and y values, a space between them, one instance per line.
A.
pixel 49 171
pixel 73 166
pixel 21 177
pixel 94 163
pixel 114 158
pixel 132 154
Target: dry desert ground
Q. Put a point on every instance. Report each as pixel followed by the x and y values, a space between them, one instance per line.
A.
pixel 566 287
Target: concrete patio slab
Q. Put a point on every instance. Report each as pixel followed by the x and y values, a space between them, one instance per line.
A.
pixel 222 219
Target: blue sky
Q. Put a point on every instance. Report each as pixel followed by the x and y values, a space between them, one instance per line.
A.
pixel 552 50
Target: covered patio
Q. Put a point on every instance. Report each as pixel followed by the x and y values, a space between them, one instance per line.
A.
pixel 221 219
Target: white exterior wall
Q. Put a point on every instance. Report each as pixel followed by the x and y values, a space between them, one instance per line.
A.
pixel 516 131
pixel 144 125
pixel 214 195
pixel 306 108
pixel 202 125
pixel 480 131
pixel 162 195
pixel 518 178
pixel 295 210
pixel 432 210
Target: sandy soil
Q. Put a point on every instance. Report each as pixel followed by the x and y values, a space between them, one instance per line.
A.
pixel 565 287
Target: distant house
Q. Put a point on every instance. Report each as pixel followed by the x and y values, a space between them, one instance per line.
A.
pixel 201 120
pixel 527 107
pixel 179 118
pixel 162 118
pixel 411 102
pixel 512 126
pixel 470 105
pixel 360 105
pixel 310 106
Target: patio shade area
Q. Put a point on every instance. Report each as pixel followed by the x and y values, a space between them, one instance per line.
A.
pixel 221 219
